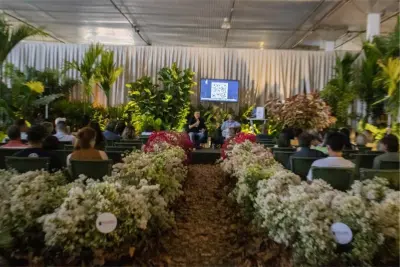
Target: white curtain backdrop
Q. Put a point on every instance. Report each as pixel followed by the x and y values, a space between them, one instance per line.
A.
pixel 263 74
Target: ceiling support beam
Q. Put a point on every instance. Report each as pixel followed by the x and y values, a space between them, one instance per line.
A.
pixel 315 26
pixel 230 20
pixel 302 23
pixel 134 27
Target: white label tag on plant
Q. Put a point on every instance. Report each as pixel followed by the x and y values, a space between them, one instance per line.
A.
pixel 342 233
pixel 106 222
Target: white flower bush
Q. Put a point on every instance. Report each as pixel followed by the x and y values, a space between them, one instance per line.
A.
pixel 164 167
pixel 73 225
pixel 25 197
pixel 300 215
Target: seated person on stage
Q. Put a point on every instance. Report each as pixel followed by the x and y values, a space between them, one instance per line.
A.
pixel 229 127
pixel 305 151
pixel 109 133
pixel 62 133
pixel 36 135
pixel 197 128
pixel 390 145
pixel 84 147
pixel 335 144
pixel 50 142
pixel 14 136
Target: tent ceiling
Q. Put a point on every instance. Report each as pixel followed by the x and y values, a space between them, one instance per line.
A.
pixel 273 23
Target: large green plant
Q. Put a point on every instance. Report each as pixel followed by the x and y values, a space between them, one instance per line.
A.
pixel 108 73
pixel 339 93
pixel 88 69
pixel 168 102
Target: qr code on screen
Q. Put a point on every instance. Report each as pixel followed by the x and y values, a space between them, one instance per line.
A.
pixel 219 90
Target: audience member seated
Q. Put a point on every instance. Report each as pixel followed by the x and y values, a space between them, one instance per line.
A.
pixel 23 128
pixel 305 140
pixel 50 142
pixel 348 145
pixel 335 144
pixel 62 133
pixel 119 128
pixel 361 140
pixel 229 127
pixel 14 136
pixel 197 129
pixel 390 145
pixel 84 147
pixel 283 140
pixel 100 142
pixel 109 133
pixel 128 133
pixel 36 135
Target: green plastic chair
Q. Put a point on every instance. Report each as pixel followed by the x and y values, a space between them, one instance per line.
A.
pixel 6 152
pixel 389 165
pixel 26 164
pixel 68 147
pixel 122 149
pixel 301 165
pixel 62 155
pixel 115 156
pixel 109 142
pixel 268 145
pixel 283 149
pixel 338 178
pixel 393 176
pixel 365 161
pixel 92 169
pixel 283 157
pixel 349 154
pixel 375 152
pixel 144 138
pixel 137 145
pixel 364 149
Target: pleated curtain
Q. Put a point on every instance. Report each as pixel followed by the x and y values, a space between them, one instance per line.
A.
pixel 263 74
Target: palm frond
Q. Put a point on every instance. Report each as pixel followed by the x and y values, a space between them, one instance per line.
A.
pixel 108 72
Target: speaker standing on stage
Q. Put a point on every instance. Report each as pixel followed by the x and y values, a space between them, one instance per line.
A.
pixel 197 128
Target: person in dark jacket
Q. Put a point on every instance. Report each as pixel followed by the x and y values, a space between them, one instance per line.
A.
pixel 304 150
pixel 197 128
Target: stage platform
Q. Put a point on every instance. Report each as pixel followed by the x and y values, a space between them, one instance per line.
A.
pixel 205 156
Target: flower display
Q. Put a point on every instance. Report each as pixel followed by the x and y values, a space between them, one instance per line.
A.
pixel 371 190
pixel 73 225
pixel 157 141
pixel 35 86
pixel 239 138
pixel 303 111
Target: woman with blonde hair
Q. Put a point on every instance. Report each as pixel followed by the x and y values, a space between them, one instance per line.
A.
pixel 84 147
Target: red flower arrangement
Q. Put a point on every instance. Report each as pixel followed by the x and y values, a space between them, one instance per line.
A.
pixel 238 139
pixel 172 138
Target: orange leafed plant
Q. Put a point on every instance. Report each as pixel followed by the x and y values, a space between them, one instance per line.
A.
pixel 301 111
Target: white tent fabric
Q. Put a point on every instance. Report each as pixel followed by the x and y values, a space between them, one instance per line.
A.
pixel 263 74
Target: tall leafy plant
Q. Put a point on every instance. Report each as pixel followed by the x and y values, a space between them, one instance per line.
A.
pixel 108 73
pixel 340 92
pixel 88 69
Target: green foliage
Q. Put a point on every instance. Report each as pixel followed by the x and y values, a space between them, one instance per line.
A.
pixel 11 36
pixel 339 93
pixel 168 102
pixel 88 68
pixel 108 73
pixel 378 133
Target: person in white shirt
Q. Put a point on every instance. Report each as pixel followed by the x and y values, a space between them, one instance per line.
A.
pixel 62 133
pixel 229 126
pixel 335 144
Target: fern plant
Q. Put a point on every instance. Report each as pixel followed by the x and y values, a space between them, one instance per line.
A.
pixel 108 73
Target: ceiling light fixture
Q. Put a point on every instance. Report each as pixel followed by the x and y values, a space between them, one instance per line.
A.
pixel 226 25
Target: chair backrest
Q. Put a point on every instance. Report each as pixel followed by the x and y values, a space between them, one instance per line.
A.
pixel 62 155
pixel 268 145
pixel 301 165
pixel 130 141
pixel 122 149
pixel 62 145
pixel 68 147
pixel 364 149
pixel 92 169
pixel 375 152
pixel 283 149
pixel 283 157
pixel 393 176
pixel 137 145
pixel 389 165
pixel 115 156
pixel 25 164
pixel 364 161
pixel 338 178
pixel 109 142
pixel 264 137
pixel 4 152
pixel 349 154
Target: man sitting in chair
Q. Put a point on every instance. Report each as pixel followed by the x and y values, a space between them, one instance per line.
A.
pixel 197 129
pixel 230 127
pixel 335 143
pixel 390 145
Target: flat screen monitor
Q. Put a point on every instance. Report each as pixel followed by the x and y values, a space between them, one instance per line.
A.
pixel 219 90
